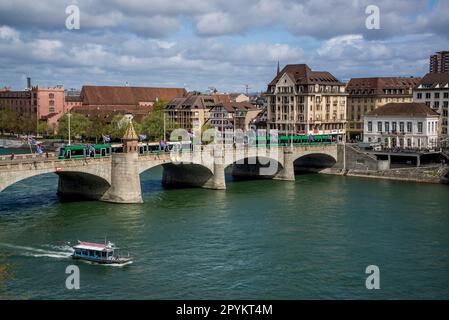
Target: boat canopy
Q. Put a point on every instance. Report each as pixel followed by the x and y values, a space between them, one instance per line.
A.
pixel 94 246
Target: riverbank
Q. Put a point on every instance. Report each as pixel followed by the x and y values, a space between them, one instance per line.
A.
pixel 429 174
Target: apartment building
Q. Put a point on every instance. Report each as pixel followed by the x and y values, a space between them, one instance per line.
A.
pixel 232 116
pixel 190 112
pixel 433 90
pixel 303 101
pixel 368 94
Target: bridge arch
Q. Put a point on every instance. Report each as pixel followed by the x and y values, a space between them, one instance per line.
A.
pixel 314 162
pixel 250 167
pixel 82 185
pixel 68 171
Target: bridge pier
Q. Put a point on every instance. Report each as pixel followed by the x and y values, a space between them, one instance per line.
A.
pixel 287 172
pixel 125 180
pixel 125 174
pixel 217 181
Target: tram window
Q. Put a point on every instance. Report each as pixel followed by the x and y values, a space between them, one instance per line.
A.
pixel 103 152
pixel 69 154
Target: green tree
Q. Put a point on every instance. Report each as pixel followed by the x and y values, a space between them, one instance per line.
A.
pixel 27 123
pixel 96 129
pixel 204 128
pixel 44 128
pixel 116 129
pixel 153 123
pixel 79 125
pixel 8 120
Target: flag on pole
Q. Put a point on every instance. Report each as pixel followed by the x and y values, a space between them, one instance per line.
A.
pixel 106 138
pixel 39 149
pixel 31 141
pixel 142 136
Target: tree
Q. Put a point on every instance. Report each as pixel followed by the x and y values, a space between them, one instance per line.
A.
pixel 27 123
pixel 116 129
pixel 97 128
pixel 79 125
pixel 8 120
pixel 44 128
pixel 153 123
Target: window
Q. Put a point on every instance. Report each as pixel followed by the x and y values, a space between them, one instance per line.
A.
pixel 387 126
pixel 437 95
pixel 420 127
pixel 409 142
pixel 394 126
pixel 51 95
pixel 446 95
pixel 370 126
pixel 379 126
pixel 409 127
pixel 419 96
pixel 401 126
pixel 428 95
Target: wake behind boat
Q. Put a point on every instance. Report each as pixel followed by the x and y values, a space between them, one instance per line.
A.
pixel 99 253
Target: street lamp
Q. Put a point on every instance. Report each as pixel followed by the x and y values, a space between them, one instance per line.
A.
pixel 69 115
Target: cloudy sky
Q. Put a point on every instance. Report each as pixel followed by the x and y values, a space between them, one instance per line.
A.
pixel 224 44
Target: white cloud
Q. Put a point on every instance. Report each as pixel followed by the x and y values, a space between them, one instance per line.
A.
pixel 7 33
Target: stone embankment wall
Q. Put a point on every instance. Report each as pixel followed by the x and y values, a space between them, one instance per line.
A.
pixel 359 164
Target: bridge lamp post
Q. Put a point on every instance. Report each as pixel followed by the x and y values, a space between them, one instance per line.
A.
pixel 69 115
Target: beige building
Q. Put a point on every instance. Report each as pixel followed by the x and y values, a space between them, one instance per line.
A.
pixel 303 101
pixel 368 94
pixel 232 116
pixel 190 112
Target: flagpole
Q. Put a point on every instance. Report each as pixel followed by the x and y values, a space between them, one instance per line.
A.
pixel 29 144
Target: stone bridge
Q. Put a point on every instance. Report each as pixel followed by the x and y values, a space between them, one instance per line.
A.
pixel 117 178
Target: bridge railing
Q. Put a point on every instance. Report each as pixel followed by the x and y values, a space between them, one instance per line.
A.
pixel 44 160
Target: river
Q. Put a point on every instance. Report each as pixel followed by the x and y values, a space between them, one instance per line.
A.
pixel 261 239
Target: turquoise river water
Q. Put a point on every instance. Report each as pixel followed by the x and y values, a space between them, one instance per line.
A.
pixel 262 239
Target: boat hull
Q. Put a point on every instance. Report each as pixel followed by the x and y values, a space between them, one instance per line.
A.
pixel 117 261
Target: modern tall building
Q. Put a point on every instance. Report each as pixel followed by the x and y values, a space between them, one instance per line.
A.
pixel 439 62
pixel 303 101
pixel 368 94
pixel 433 90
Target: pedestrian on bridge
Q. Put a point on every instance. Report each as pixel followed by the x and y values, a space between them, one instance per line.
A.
pixel 13 155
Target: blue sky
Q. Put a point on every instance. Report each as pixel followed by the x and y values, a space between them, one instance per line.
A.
pixel 223 43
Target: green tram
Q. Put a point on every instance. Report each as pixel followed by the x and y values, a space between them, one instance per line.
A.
pixel 84 151
pixel 288 140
